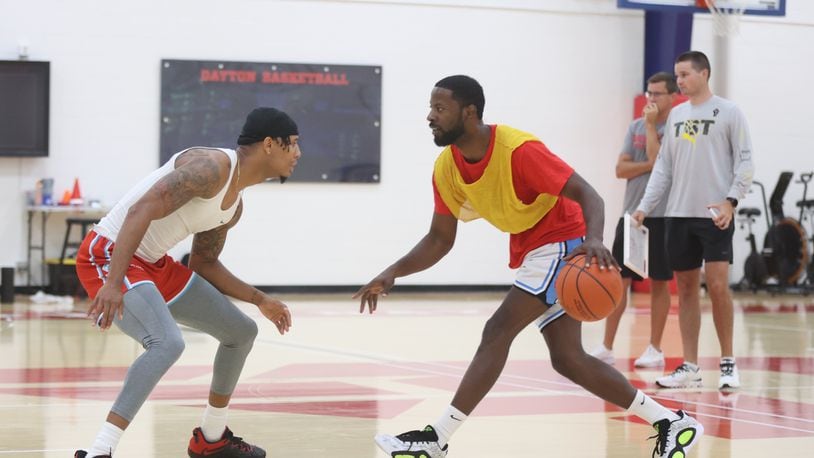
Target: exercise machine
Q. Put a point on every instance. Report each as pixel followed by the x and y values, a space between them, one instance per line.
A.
pixel 784 259
pixel 755 272
pixel 807 214
pixel 785 246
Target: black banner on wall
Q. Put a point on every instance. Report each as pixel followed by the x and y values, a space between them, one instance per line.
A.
pixel 337 109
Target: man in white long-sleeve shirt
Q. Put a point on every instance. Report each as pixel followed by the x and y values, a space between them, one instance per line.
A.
pixel 705 162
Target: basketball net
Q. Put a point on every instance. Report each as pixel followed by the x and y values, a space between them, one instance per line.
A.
pixel 726 15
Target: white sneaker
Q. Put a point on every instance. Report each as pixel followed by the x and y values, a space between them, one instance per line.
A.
pixel 420 444
pixel 729 376
pixel 602 353
pixel 682 377
pixel 675 438
pixel 650 358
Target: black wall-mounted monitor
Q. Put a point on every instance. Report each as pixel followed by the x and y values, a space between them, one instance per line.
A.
pixel 24 106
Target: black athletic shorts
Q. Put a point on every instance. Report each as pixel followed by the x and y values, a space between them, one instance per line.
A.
pixel 691 241
pixel 659 268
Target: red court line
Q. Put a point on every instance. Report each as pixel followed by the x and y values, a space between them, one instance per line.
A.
pixel 736 416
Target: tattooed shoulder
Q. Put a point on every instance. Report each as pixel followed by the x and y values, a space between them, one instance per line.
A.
pixel 199 176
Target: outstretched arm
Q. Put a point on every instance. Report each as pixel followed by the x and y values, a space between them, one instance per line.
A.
pixel 425 254
pixel 206 248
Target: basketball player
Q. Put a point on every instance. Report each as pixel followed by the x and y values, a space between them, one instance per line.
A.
pixel 705 162
pixel 133 283
pixel 638 155
pixel 513 181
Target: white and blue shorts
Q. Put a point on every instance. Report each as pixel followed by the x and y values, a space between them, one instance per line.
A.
pixel 538 273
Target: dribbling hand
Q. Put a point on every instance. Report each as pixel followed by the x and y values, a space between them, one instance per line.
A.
pixel 594 248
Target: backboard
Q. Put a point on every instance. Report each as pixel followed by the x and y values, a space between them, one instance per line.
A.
pixel 753 7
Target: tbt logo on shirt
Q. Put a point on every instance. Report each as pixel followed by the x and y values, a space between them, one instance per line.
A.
pixel 691 128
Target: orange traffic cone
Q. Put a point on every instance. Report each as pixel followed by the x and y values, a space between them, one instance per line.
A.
pixel 76 195
pixel 66 198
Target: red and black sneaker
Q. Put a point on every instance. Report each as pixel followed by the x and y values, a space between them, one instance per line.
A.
pixel 84 454
pixel 229 446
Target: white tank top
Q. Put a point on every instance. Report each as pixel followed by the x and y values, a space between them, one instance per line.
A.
pixel 197 215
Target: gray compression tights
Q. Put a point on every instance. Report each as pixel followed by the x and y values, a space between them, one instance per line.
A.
pixel 149 320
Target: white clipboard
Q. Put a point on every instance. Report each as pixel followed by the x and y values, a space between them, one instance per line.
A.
pixel 636 251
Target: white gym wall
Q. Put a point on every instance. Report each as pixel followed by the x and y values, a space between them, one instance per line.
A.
pixel 565 70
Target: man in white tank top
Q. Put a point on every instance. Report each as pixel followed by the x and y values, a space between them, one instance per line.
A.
pixel 133 282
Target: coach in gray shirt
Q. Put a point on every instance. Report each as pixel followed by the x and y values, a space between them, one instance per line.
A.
pixel 638 156
pixel 705 162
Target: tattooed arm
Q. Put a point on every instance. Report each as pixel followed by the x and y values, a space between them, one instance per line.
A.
pixel 206 247
pixel 198 173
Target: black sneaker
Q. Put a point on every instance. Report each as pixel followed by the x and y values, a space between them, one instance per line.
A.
pixel 412 444
pixel 675 438
pixel 229 446
pixel 84 454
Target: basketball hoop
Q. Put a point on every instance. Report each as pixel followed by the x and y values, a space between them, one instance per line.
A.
pixel 726 15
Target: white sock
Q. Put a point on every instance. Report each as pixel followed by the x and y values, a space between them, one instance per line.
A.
pixel 106 441
pixel 647 409
pixel 213 424
pixel 449 422
pixel 691 366
pixel 728 359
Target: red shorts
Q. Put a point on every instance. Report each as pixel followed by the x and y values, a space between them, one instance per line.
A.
pixel 93 265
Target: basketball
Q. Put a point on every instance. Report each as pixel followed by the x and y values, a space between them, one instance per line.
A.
pixel 588 294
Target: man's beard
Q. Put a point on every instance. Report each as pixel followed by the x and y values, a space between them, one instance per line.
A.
pixel 449 137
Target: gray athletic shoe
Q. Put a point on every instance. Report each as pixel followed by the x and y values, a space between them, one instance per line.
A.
pixel 682 377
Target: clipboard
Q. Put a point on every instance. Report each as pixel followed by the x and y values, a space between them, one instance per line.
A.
pixel 636 250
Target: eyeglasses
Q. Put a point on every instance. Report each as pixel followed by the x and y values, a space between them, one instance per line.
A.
pixel 655 94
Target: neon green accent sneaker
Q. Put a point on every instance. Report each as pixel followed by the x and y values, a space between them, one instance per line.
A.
pixel 675 438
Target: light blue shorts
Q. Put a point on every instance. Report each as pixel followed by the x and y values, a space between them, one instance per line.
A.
pixel 538 273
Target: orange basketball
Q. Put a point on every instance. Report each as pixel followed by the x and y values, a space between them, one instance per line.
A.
pixel 588 294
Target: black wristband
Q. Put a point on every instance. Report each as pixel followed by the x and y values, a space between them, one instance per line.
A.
pixel 733 201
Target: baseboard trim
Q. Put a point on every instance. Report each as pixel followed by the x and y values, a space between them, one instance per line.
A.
pixel 396 289
pixel 329 289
